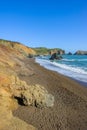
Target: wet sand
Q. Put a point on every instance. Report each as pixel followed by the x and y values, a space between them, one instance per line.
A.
pixel 81 83
pixel 70 109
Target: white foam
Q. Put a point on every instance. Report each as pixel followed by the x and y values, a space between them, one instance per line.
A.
pixel 74 72
pixel 74 59
pixel 68 67
pixel 68 59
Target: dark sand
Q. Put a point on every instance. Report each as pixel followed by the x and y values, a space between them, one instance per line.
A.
pixel 70 109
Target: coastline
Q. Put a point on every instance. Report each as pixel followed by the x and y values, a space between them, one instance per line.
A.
pixel 83 83
pixel 77 80
pixel 70 109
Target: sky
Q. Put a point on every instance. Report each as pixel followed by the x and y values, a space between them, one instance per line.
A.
pixel 45 23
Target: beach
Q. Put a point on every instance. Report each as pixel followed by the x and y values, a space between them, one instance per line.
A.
pixel 43 65
pixel 70 108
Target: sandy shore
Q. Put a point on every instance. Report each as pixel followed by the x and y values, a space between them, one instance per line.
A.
pixel 70 109
pixel 81 83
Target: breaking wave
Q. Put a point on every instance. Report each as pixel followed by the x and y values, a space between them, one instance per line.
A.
pixel 75 72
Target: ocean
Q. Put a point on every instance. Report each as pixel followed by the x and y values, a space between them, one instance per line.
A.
pixel 74 66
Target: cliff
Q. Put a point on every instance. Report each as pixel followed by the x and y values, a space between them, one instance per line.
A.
pixel 46 51
pixel 17 47
pixel 79 52
pixel 13 90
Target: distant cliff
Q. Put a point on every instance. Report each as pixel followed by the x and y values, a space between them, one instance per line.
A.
pixel 46 51
pixel 79 52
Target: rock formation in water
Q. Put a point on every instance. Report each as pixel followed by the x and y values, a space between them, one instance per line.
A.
pixel 79 52
pixel 55 54
pixel 14 90
pixel 69 53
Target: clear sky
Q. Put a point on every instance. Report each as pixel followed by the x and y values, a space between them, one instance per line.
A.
pixel 47 23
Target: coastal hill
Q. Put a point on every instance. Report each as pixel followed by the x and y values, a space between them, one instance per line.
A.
pixel 17 47
pixel 13 90
pixel 46 51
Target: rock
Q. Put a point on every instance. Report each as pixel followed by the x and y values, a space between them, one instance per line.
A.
pixel 7 120
pixel 79 52
pixel 55 56
pixel 37 96
pixel 14 88
pixel 69 53
pixel 60 52
pixel 30 55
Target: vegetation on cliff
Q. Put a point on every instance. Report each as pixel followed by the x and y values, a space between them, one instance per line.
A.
pixel 26 51
pixel 46 51
pixel 18 47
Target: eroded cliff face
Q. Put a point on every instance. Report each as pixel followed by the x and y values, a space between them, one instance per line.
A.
pixel 17 47
pixel 12 87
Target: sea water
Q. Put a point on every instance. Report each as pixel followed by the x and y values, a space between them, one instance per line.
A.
pixel 74 66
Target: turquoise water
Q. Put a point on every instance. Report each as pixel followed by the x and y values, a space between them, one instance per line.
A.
pixel 74 66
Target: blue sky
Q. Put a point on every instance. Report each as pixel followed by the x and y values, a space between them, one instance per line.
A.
pixel 47 23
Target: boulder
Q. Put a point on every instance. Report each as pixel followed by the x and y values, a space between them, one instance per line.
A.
pixel 35 95
pixel 38 96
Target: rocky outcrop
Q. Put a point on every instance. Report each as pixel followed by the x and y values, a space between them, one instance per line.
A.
pixel 55 56
pixel 35 95
pixel 79 52
pixel 38 96
pixel 69 53
pixel 58 52
pixel 13 90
